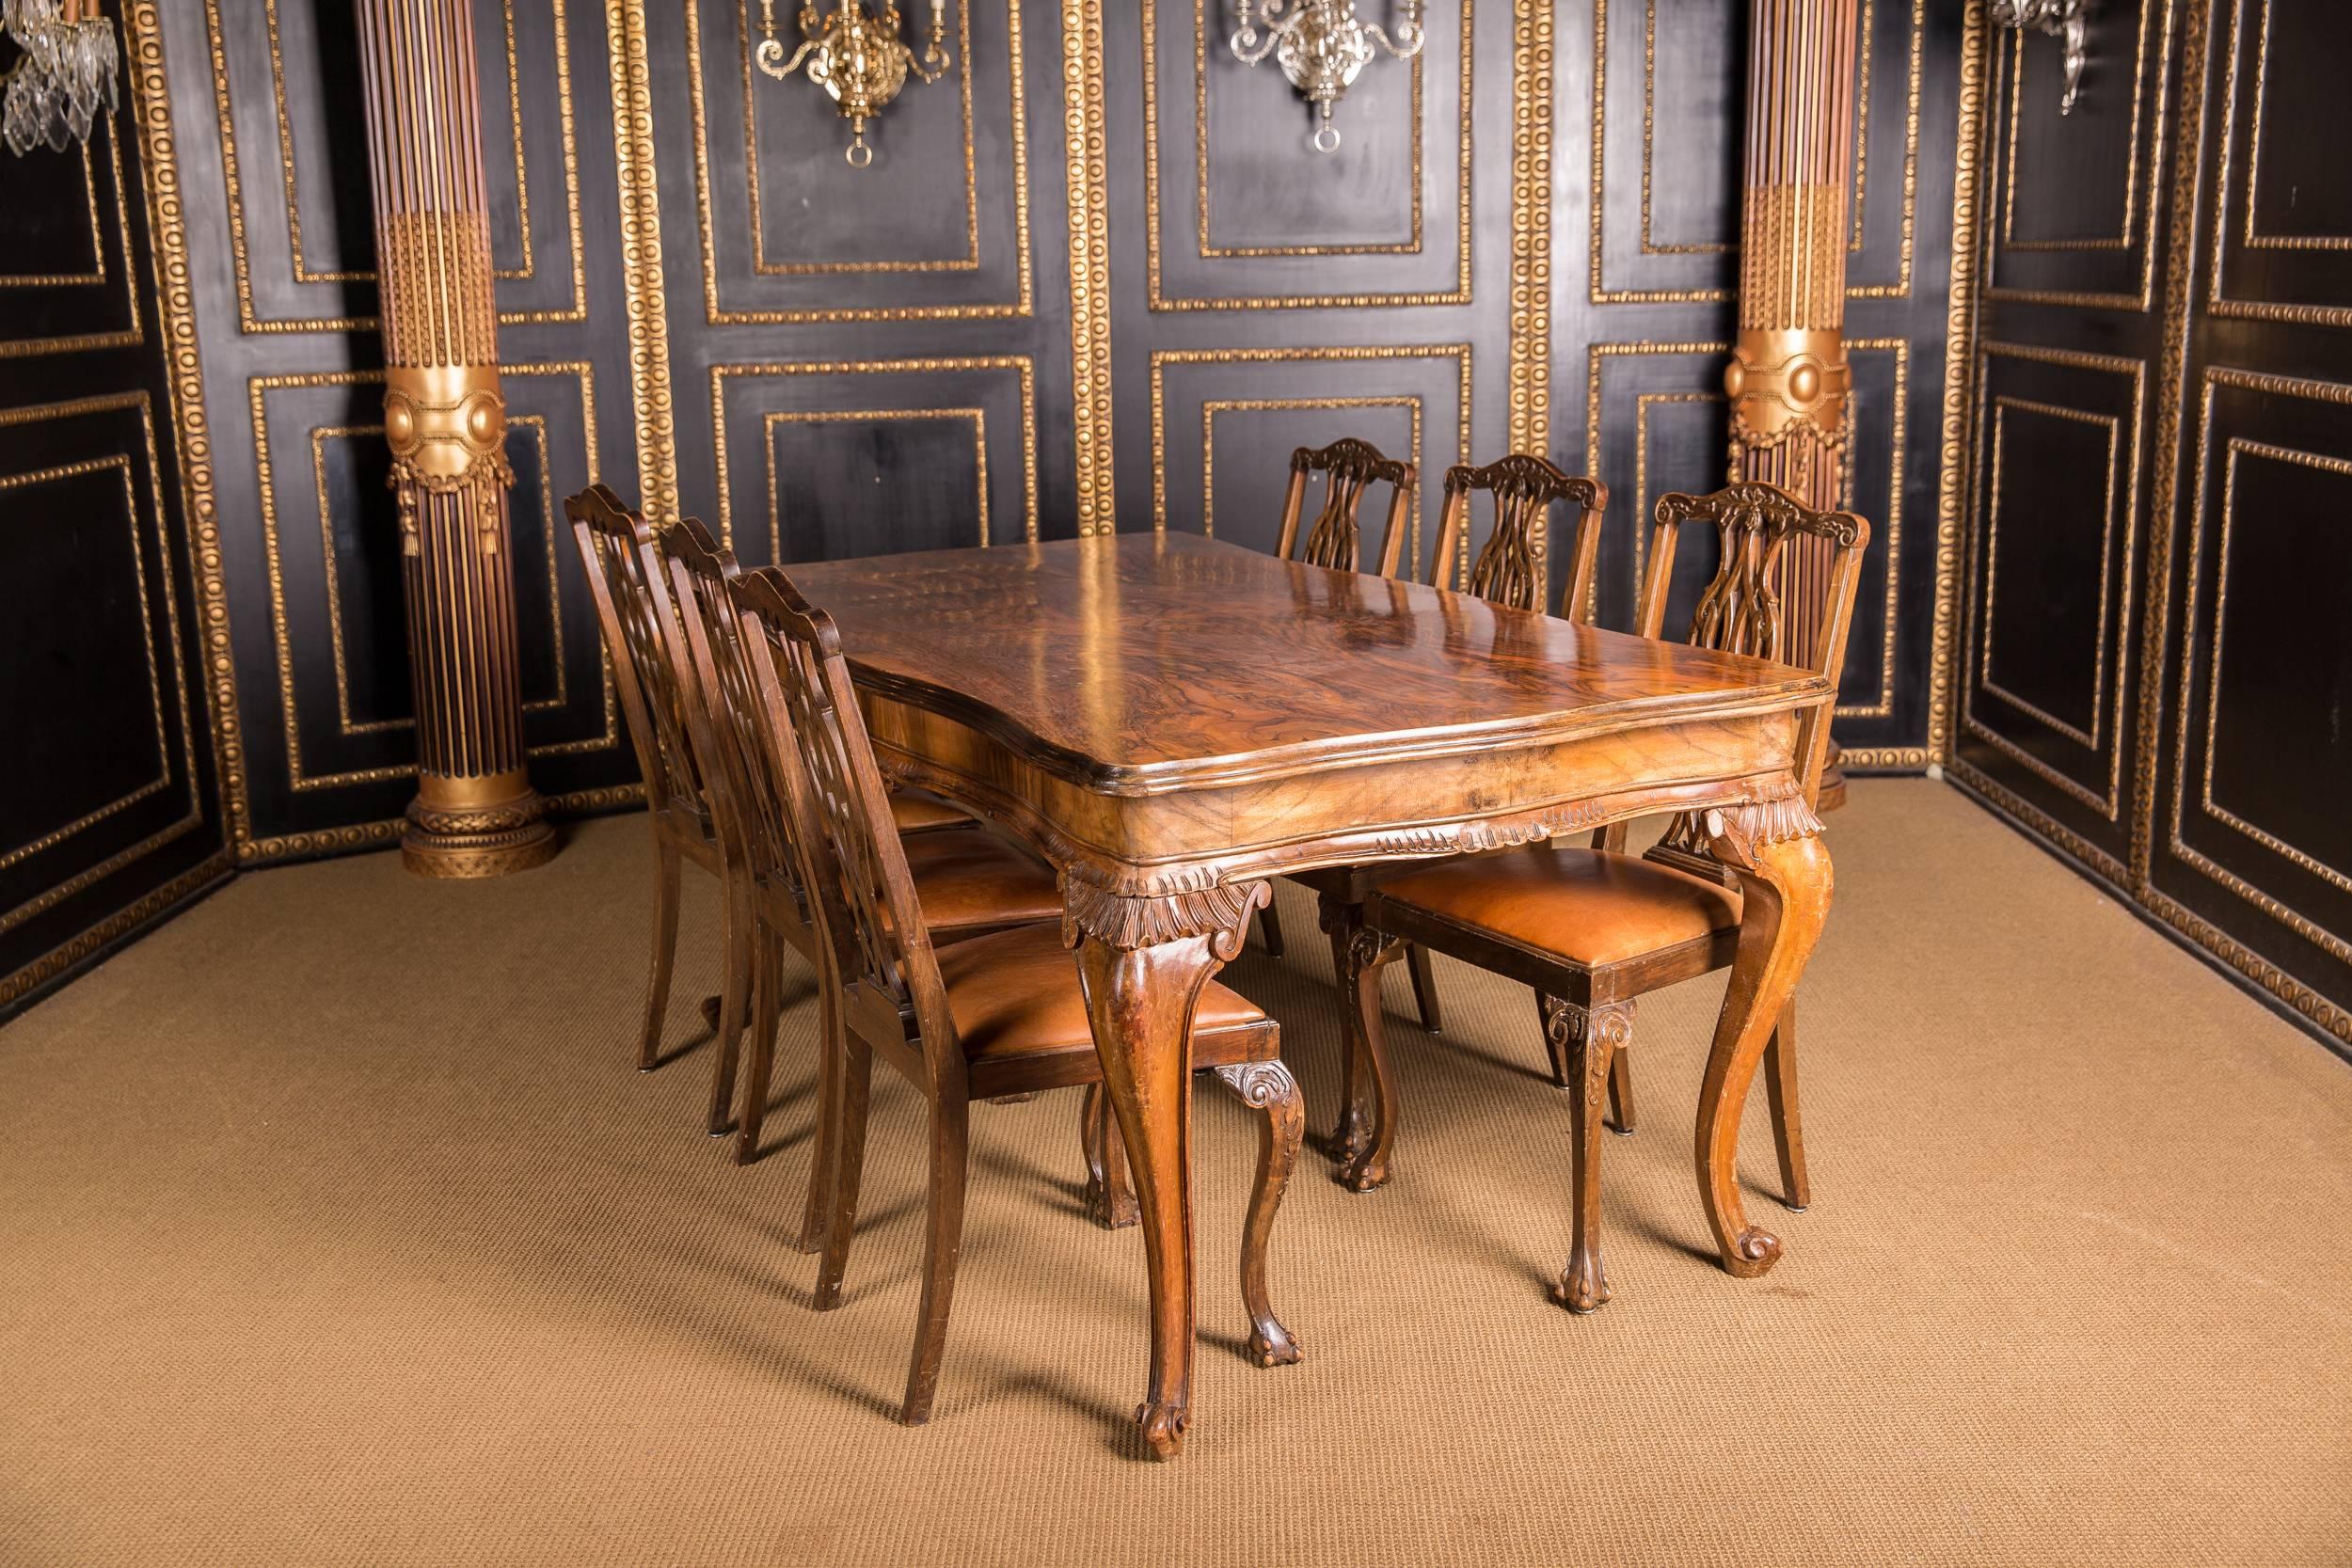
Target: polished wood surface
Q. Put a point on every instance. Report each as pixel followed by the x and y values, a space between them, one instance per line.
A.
pixel 1593 929
pixel 1170 720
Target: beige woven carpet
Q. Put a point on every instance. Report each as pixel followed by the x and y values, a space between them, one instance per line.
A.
pixel 336 1227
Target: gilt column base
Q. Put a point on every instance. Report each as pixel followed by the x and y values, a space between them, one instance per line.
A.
pixel 476 827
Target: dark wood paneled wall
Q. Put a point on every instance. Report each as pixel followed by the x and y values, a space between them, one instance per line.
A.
pixel 2161 457
pixel 1093 278
pixel 110 809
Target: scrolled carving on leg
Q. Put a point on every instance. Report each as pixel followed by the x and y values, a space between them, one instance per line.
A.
pixel 1367 1133
pixel 1591 1040
pixel 1785 881
pixel 1142 965
pixel 1267 1087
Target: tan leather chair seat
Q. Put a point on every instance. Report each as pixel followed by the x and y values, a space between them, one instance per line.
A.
pixel 1587 906
pixel 966 877
pixel 1015 994
pixel 914 812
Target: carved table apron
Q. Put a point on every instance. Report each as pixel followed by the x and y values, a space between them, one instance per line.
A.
pixel 1171 721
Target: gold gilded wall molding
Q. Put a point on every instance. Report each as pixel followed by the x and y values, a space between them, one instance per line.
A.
pixel 2251 237
pixel 714 313
pixel 2218 378
pixel 250 320
pixel 1164 358
pixel 976 416
pixel 170 628
pixel 1211 252
pixel 1159 299
pixel 2135 236
pixel 2304 1001
pixel 58 959
pixel 1020 364
pixel 2015 76
pixel 968 261
pixel 1409 402
pixel 1085 140
pixel 368 836
pixel 1599 293
pixel 175 301
pixel 640 259
pixel 135 332
pixel 2218 301
pixel 2034 818
pixel 2113 425
pixel 1532 71
pixel 96 275
pixel 2135 371
pixel 2164 500
pixel 1958 366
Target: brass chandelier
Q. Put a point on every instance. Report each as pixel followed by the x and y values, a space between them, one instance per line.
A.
pixel 858 57
pixel 65 77
pixel 1321 46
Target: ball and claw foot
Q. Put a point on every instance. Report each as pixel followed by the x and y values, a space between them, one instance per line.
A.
pixel 1582 1287
pixel 1112 1211
pixel 1362 1174
pixel 1275 1350
pixel 1163 1427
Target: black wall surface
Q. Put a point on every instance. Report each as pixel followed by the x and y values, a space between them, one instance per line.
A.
pixel 2158 662
pixel 109 801
pixel 852 362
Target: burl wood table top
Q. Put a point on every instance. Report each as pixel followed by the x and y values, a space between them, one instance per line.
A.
pixel 1140 663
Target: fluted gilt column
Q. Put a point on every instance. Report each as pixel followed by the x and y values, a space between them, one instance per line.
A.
pixel 1788 381
pixel 475 813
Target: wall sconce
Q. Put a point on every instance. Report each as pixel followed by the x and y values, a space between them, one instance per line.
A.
pixel 1321 46
pixel 2062 19
pixel 859 59
pixel 66 75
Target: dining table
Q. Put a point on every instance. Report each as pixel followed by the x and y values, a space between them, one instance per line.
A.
pixel 1172 719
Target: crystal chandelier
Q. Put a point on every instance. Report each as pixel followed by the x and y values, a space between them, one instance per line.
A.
pixel 2063 20
pixel 858 57
pixel 1321 46
pixel 65 77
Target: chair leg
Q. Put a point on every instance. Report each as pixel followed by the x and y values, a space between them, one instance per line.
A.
pixel 1621 1091
pixel 1267 1086
pixel 665 899
pixel 832 1052
pixel 1780 1085
pixel 1591 1042
pixel 760 1066
pixel 848 1170
pixel 943 1244
pixel 736 997
pixel 1425 985
pixel 1270 931
pixel 1110 1188
pixel 1350 1132
pixel 1358 952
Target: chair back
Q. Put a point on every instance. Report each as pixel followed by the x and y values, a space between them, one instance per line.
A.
pixel 861 891
pixel 1740 611
pixel 756 827
pixel 1349 467
pixel 635 617
pixel 1510 570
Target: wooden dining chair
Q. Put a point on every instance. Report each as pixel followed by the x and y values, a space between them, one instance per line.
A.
pixel 1593 928
pixel 999 1015
pixel 1510 571
pixel 634 616
pixel 972 883
pixel 1349 467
